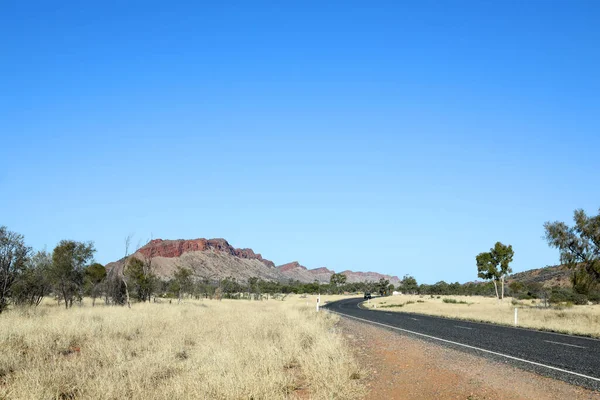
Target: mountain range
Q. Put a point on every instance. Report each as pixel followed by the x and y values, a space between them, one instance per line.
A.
pixel 216 258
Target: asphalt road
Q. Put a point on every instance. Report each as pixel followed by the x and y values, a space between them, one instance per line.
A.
pixel 573 359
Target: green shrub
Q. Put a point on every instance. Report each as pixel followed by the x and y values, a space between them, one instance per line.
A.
pixel 561 295
pixel 594 297
pixel 454 301
pixel 580 299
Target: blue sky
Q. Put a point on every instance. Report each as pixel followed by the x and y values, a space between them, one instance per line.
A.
pixel 401 137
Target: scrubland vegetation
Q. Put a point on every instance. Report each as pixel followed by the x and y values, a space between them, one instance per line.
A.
pixel 565 317
pixel 197 349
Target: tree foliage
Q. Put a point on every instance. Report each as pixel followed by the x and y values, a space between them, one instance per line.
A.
pixel 141 282
pixel 337 280
pixel 13 259
pixel 579 247
pixel 494 265
pixel 409 285
pixel 34 283
pixel 183 281
pixel 67 273
pixel 95 276
pixel 383 286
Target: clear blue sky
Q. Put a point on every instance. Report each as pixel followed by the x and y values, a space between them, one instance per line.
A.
pixel 402 137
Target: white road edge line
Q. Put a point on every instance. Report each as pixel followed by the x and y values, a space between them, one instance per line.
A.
pixel 565 344
pixel 415 319
pixel 505 326
pixel 473 347
pixel 462 327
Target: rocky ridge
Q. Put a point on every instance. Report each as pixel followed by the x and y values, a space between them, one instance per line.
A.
pixel 216 258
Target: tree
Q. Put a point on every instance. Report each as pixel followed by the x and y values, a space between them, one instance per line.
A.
pixel 383 286
pixel 34 283
pixel 13 257
pixel 254 287
pixel 494 265
pixel 95 275
pixel 183 281
pixel 139 280
pixel 337 280
pixel 409 284
pixel 69 260
pixel 579 247
pixel 148 276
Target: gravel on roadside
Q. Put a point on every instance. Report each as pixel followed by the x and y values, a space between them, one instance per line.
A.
pixel 398 366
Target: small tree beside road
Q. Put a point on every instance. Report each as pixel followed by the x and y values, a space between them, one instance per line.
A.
pixel 579 247
pixel 336 281
pixel 494 265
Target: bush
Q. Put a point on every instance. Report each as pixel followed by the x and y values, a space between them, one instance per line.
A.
pixel 594 297
pixel 453 301
pixel 525 296
pixel 580 299
pixel 560 295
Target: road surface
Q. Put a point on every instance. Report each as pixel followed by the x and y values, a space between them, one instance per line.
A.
pixel 573 359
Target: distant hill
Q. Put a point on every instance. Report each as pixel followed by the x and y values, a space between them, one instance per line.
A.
pixel 552 276
pixel 216 258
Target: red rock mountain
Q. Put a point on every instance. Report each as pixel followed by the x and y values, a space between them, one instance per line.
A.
pixel 216 258
pixel 176 248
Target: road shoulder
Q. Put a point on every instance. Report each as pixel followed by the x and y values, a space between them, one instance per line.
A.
pixel 401 367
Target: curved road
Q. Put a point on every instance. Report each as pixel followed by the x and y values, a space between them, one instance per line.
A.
pixel 573 359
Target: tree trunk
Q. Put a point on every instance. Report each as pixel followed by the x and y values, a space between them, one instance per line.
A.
pixel 126 293
pixel 496 287
pixel 502 280
pixel 66 299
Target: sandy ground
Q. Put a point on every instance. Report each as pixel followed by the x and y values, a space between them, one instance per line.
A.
pixel 401 367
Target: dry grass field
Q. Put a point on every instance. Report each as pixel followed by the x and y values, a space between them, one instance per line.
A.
pixel 198 349
pixel 583 320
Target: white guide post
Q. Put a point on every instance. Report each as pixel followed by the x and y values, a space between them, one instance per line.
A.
pixel 516 315
pixel 318 301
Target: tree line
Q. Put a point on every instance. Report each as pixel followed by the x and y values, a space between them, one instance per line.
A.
pixel 69 273
pixel 579 248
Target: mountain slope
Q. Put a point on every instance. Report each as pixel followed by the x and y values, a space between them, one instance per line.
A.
pixel 216 258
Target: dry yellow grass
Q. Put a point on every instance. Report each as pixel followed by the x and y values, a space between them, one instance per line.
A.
pixel 197 349
pixel 583 320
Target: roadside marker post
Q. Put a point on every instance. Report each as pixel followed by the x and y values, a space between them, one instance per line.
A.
pixel 516 316
pixel 318 301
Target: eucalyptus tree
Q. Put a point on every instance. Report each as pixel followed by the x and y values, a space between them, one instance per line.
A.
pixel 579 247
pixel 494 265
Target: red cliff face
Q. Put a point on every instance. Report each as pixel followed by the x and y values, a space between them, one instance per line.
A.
pixel 175 248
pixel 291 266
